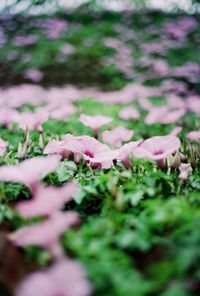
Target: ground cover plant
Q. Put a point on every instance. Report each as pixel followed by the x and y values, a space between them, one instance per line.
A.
pixel 100 148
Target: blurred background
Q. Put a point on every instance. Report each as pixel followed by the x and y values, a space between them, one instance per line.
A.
pixel 97 42
pixel 37 6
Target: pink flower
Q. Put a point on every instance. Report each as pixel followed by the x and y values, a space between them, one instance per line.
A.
pixel 160 67
pixel 155 114
pixel 16 96
pixel 47 200
pixel 172 116
pixel 25 40
pixel 96 154
pixel 29 171
pixel 125 151
pixel 32 120
pixel 34 75
pixel 194 136
pixel 129 113
pixel 3 145
pixel 94 122
pixel 158 147
pixel 45 234
pixel 146 104
pixel 60 147
pixel 117 135
pixel 175 102
pixel 66 278
pixel 61 96
pixel 185 171
pixel 56 147
pixel 67 49
pixel 193 103
pixel 63 112
pixel 163 115
pixel 8 115
pixel 176 131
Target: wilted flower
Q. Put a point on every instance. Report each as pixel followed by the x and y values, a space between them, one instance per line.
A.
pixel 66 278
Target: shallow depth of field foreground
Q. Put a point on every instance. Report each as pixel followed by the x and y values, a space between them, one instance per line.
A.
pixel 99 152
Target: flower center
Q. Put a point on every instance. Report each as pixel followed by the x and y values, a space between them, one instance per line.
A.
pixel 89 153
pixel 159 152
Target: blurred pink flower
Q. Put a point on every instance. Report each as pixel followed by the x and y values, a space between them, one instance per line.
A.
pixel 8 115
pixel 67 49
pixel 172 116
pixel 26 40
pixel 33 120
pixel 163 115
pixel 160 67
pixel 54 28
pixel 156 114
pixel 176 131
pixel 3 145
pixel 193 104
pixel 129 113
pixel 145 104
pixel 185 171
pixel 117 135
pixel 125 151
pixel 47 200
pixel 18 95
pixel 158 147
pixel 45 234
pixel 94 122
pixel 175 102
pixel 194 136
pixel 29 171
pixel 63 112
pixel 34 75
pixel 126 95
pixel 66 278
pixel 173 86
